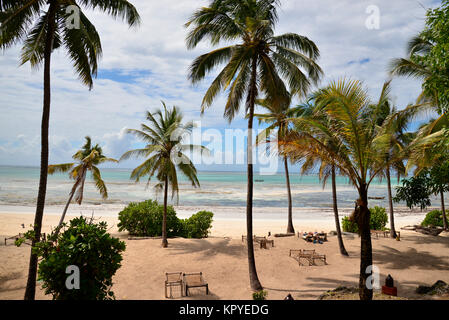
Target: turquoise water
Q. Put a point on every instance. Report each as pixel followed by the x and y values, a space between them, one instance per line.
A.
pixel 18 186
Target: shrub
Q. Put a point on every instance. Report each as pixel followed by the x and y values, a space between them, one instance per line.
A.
pixel 260 295
pixel 348 225
pixel 145 219
pixel 88 246
pixel 198 225
pixel 379 218
pixel 378 221
pixel 433 218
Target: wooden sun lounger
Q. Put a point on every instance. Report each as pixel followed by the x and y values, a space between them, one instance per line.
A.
pixel 173 279
pixel 194 280
pixel 309 255
pixel 16 237
pixel 262 241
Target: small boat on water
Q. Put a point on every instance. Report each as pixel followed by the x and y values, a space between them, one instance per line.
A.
pixel 258 180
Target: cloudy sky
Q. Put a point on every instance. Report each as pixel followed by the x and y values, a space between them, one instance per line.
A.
pixel 140 67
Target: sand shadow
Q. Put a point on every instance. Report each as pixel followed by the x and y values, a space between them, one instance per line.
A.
pixel 207 248
pixel 395 259
pixel 8 277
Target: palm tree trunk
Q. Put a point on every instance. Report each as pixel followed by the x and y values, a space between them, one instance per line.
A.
pixel 390 202
pixel 253 278
pixel 164 218
pixel 290 228
pixel 337 219
pixel 32 269
pixel 366 250
pixel 61 221
pixel 443 210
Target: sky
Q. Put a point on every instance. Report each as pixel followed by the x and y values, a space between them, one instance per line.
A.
pixel 142 66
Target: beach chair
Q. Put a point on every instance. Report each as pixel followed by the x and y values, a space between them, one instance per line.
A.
pixel 173 279
pixel 309 255
pixel 194 280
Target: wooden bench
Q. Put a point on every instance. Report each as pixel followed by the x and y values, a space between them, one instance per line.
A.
pixel 309 255
pixel 194 280
pixel 173 279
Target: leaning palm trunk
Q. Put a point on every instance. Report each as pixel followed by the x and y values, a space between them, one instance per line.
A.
pixel 443 211
pixel 32 270
pixel 253 278
pixel 337 219
pixel 164 218
pixel 390 202
pixel 290 228
pixel 366 250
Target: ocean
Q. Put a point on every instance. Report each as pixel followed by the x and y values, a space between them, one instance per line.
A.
pixel 18 187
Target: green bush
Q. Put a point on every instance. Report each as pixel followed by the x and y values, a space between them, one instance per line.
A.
pixel 379 218
pixel 433 218
pixel 260 295
pixel 378 221
pixel 348 225
pixel 145 219
pixel 198 225
pixel 88 246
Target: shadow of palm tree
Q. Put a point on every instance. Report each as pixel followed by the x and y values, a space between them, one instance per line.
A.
pixel 207 248
pixel 396 259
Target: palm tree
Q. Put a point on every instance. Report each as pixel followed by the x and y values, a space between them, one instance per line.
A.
pixel 257 64
pixel 277 117
pixel 41 26
pixel 88 158
pixel 310 161
pixel 392 125
pixel 164 154
pixel 357 154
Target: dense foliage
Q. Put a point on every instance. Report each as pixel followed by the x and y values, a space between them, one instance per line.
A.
pixel 414 191
pixel 433 218
pixel 198 225
pixel 378 221
pixel 145 219
pixel 89 247
pixel 437 59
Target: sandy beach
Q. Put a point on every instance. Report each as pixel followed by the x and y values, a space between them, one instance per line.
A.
pixel 415 260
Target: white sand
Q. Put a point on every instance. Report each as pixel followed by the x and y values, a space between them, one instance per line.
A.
pixel 416 259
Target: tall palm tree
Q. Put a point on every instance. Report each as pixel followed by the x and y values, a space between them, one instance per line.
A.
pixel 392 127
pixel 277 119
pixel 257 64
pixel 310 161
pixel 357 156
pixel 88 158
pixel 164 154
pixel 42 27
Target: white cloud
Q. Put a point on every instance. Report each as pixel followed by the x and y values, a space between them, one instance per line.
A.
pixel 156 54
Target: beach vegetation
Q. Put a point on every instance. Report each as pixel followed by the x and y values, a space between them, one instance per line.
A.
pixel 164 155
pixel 42 27
pixel 87 246
pixel 433 218
pixel 350 142
pixel 198 225
pixel 257 64
pixel 378 221
pixel 87 160
pixel 260 295
pixel 145 219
